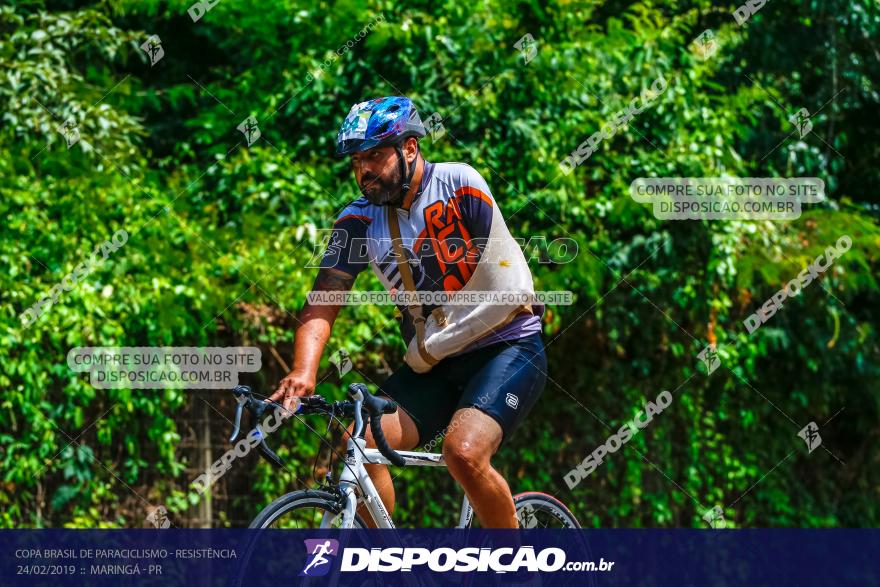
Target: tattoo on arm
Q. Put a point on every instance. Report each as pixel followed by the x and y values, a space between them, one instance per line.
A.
pixel 333 279
pixel 327 280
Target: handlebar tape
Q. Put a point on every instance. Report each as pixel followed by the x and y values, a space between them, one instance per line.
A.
pixel 269 454
pixel 382 444
pixel 376 406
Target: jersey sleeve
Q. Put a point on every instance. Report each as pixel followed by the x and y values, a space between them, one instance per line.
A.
pixel 476 204
pixel 347 250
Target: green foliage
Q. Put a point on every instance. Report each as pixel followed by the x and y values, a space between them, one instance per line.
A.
pixel 221 235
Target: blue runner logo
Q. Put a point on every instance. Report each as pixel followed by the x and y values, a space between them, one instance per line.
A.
pixel 321 552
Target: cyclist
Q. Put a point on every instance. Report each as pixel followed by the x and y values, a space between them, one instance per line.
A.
pixel 471 372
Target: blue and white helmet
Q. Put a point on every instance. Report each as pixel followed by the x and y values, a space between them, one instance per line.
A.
pixel 378 122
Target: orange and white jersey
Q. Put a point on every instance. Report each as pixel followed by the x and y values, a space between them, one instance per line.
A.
pixel 444 234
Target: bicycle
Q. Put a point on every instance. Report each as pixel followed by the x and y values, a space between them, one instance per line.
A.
pixel 334 505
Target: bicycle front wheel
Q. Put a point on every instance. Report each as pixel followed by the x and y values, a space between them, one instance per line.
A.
pixel 308 509
pixel 304 509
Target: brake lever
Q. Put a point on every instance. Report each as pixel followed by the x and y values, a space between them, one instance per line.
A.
pixel 256 409
pixel 242 395
pixel 267 452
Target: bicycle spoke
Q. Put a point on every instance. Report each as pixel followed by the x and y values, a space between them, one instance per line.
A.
pixel 540 516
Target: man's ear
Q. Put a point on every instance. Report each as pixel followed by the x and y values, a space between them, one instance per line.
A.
pixel 411 149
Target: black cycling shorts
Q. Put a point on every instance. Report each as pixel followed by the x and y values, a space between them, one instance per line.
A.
pixel 503 380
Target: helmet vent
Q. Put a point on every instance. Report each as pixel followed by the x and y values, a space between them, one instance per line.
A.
pixel 379 122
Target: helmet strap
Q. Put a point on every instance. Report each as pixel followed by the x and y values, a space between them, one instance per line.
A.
pixel 406 172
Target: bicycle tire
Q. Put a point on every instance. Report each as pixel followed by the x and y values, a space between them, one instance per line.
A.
pixel 308 498
pixel 545 503
pixel 301 499
pixel 549 504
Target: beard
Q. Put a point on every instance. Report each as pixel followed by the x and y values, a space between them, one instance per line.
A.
pixel 382 191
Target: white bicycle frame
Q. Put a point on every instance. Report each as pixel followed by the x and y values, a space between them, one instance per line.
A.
pixel 355 476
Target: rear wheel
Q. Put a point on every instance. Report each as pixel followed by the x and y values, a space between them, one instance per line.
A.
pixel 539 510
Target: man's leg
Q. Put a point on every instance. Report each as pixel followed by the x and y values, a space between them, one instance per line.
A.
pixel 401 433
pixel 468 448
pixel 502 382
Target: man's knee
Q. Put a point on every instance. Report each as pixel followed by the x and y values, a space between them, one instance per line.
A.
pixel 464 457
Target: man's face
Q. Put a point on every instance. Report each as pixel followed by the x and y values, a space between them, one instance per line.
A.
pixel 377 172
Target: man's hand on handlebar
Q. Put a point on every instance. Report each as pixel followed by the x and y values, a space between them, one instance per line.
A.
pixel 296 384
